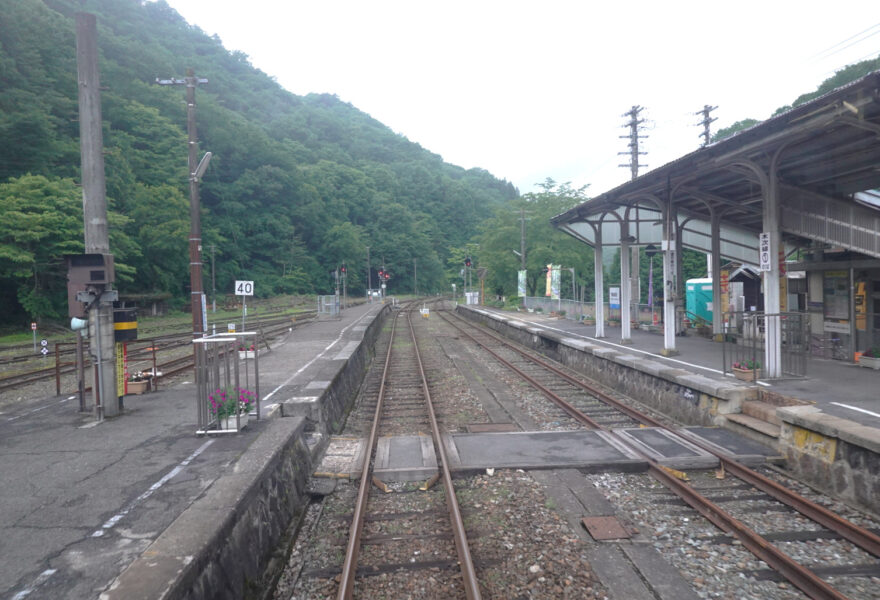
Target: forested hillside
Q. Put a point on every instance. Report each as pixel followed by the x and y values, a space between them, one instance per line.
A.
pixel 297 185
pixel 846 75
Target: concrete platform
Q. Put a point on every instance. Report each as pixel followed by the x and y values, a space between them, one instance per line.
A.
pixel 412 458
pixel 825 425
pixel 839 388
pixel 138 504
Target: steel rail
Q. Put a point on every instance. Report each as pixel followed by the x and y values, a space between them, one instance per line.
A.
pixel 564 404
pixel 170 342
pixel 801 577
pixel 349 566
pixel 863 538
pixel 470 581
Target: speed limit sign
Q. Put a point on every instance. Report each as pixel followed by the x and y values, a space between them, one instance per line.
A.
pixel 244 288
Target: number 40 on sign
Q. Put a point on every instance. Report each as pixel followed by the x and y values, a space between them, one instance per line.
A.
pixel 244 288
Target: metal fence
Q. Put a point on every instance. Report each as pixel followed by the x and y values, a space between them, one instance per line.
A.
pixel 328 306
pixel 227 369
pixel 577 311
pixel 745 342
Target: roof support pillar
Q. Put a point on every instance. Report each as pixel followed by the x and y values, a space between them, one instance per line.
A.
pixel 625 284
pixel 773 329
pixel 717 317
pixel 598 283
pixel 770 225
pixel 668 246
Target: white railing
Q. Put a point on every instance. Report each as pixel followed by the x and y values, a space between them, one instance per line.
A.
pixel 227 365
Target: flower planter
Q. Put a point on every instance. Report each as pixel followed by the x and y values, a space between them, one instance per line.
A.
pixel 870 362
pixel 228 423
pixel 139 387
pixel 245 354
pixel 744 374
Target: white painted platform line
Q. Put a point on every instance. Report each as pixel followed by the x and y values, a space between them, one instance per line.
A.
pixel 628 349
pixel 112 521
pixel 36 410
pixel 324 351
pixel 40 580
pixel 856 408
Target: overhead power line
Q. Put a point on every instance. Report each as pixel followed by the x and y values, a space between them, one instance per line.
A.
pixel 835 49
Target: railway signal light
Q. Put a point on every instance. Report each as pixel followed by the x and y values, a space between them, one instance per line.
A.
pixel 467 261
pixel 343 268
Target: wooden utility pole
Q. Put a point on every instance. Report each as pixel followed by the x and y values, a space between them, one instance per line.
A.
pixel 213 282
pixel 97 240
pixel 196 170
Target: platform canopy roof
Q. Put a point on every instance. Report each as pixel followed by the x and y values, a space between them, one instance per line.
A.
pixel 827 151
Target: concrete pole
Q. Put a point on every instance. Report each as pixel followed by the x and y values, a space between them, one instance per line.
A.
pixel 195 231
pixel 715 272
pixel 625 285
pixel 669 293
pixel 369 276
pixel 599 284
pixel 97 240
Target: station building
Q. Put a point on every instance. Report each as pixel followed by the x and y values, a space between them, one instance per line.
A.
pixel 793 198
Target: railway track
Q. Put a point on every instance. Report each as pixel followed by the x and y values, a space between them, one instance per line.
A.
pixel 171 354
pixel 404 386
pixel 825 523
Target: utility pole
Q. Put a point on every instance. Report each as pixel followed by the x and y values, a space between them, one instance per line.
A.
pixel 706 122
pixel 369 277
pixel 706 138
pixel 522 238
pixel 633 137
pixel 634 283
pixel 415 279
pixel 96 237
pixel 213 283
pixel 196 170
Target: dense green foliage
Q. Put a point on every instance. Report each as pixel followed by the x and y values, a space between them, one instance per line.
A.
pixel 840 78
pixel 297 185
pixel 499 239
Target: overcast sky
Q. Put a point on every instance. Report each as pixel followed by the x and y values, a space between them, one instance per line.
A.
pixel 531 90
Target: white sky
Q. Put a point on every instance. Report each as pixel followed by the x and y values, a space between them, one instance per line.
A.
pixel 530 90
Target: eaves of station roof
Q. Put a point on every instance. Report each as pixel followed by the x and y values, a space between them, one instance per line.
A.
pixel 825 151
